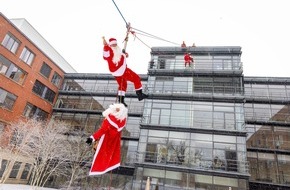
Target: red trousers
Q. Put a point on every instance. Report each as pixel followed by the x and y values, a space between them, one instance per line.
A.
pixel 131 76
pixel 187 62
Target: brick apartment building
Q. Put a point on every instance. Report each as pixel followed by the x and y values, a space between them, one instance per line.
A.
pixel 31 72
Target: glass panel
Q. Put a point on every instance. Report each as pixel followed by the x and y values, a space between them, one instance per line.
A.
pixel 225 181
pixel 45 70
pixel 56 79
pixel 7 99
pixel 15 170
pixel 25 171
pixel 3 166
pixel 11 43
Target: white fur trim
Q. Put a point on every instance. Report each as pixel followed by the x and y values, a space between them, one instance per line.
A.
pixel 122 114
pixel 121 93
pixel 105 171
pixel 95 156
pixel 121 70
pixel 113 42
pixel 115 125
pixel 120 129
pixel 98 149
pixel 92 137
pixel 106 53
pixel 112 123
pixel 139 88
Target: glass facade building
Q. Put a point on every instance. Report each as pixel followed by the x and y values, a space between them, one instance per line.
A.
pixel 267 121
pixel 206 126
pixel 193 133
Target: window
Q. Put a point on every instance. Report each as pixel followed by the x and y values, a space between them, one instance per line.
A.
pixel 229 85
pixel 38 88
pixel 17 138
pixel 27 56
pixel 4 65
pixel 2 127
pixel 3 167
pixel 163 84
pixel 56 79
pixel 26 171
pixel 7 99
pixel 161 64
pixel 32 111
pixel 43 91
pixel 11 43
pixel 49 95
pixel 231 159
pixel 151 66
pixel 45 70
pixel 17 74
pixel 15 170
pixel 166 62
pixel 10 70
pixel 150 155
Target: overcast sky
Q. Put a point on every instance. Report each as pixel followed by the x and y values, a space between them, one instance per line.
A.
pixel 75 29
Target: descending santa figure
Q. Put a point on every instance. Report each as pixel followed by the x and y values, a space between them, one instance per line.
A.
pixel 188 59
pixel 116 59
pixel 108 137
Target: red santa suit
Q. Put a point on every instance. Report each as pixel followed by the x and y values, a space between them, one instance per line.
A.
pixel 108 152
pixel 120 70
pixel 123 74
pixel 187 59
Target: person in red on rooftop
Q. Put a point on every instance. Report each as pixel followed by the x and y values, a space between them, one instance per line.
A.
pixel 183 45
pixel 188 59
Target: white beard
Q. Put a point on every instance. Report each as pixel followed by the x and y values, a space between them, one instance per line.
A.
pixel 117 54
pixel 117 110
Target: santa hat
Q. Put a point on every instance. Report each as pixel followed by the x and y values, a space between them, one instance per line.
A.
pixel 119 111
pixel 112 41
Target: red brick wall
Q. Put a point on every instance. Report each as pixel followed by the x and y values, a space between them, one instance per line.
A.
pixel 24 91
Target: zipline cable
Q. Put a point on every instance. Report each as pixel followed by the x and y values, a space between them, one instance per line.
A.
pixel 121 14
pixel 156 37
pixel 148 35
pixel 140 40
pixel 142 32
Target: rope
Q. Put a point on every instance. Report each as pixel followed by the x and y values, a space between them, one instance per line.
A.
pixel 148 35
pixel 120 13
pixel 134 33
pixel 126 38
pixel 156 37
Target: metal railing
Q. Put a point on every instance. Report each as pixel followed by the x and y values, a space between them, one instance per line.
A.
pixel 193 162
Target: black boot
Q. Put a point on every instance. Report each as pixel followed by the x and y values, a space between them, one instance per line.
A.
pixel 140 95
pixel 121 100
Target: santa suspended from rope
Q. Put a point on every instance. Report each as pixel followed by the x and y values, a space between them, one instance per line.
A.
pixel 188 59
pixel 116 59
pixel 107 140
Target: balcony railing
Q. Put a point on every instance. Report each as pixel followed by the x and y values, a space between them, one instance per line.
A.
pixel 199 64
pixel 193 162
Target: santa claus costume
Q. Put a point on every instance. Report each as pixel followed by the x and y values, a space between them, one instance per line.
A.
pixel 188 59
pixel 108 151
pixel 117 65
